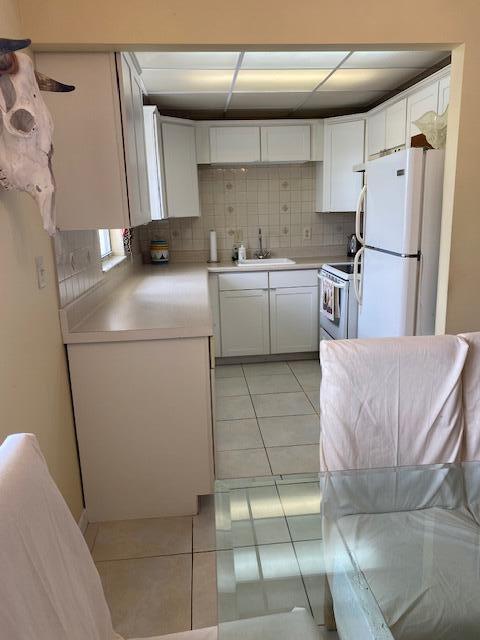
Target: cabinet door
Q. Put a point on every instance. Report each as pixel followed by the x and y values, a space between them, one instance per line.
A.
pixel 395 124
pixel 156 177
pixel 244 322
pixel 131 99
pixel 235 144
pixel 289 143
pixel 344 148
pixel 294 319
pixel 419 103
pixel 88 160
pixel 443 94
pixel 180 167
pixel 376 133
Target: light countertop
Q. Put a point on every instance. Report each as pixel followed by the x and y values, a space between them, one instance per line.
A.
pixel 164 302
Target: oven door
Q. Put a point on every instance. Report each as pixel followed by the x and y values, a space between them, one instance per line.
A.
pixel 337 329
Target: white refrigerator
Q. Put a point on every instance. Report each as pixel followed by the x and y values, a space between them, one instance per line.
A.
pixel 397 264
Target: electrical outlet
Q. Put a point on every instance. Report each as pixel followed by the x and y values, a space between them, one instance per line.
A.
pixel 41 272
pixel 307 233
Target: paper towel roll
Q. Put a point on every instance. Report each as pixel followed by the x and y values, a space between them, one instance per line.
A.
pixel 213 246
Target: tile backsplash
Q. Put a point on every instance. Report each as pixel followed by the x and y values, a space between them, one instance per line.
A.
pixel 237 201
pixel 79 266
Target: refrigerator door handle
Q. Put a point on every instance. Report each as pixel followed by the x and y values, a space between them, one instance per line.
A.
pixel 360 202
pixel 357 277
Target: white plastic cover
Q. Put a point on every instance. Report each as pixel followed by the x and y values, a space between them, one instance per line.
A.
pixel 471 397
pixel 49 587
pixel 391 402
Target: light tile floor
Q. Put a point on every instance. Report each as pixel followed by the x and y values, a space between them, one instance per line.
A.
pixel 267 418
pixel 159 574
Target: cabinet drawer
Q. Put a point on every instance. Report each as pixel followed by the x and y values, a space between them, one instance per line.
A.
pixel 236 281
pixel 298 278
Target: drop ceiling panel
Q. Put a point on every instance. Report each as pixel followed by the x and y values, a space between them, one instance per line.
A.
pixel 187 80
pixel 392 59
pixel 279 79
pixel 190 100
pixel 368 79
pixel 332 99
pixel 188 59
pixel 270 100
pixel 292 59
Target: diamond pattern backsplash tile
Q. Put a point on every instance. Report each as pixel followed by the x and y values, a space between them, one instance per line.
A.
pixel 237 201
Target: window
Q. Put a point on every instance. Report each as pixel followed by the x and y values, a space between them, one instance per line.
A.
pixel 112 251
pixel 105 243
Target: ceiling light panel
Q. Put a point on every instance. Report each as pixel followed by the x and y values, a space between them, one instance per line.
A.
pixel 292 59
pixel 187 80
pixel 279 80
pixel 268 100
pixel 392 59
pixel 188 59
pixel 367 79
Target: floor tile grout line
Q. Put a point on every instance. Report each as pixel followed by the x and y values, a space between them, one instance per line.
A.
pixel 162 555
pixel 260 431
pixel 294 550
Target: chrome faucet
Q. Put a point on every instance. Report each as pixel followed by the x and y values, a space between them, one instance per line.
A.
pixel 261 253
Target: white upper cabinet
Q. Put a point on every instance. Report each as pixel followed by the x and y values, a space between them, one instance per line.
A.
pixel 131 100
pixel 180 168
pixel 285 143
pixel 88 159
pixel 395 124
pixel 376 133
pixel 234 144
pixel 386 128
pixel 443 94
pixel 418 103
pixel 156 176
pixel 172 166
pixel 344 148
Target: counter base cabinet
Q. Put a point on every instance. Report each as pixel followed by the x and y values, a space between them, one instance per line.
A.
pixel 244 322
pixel 144 426
pixel 294 319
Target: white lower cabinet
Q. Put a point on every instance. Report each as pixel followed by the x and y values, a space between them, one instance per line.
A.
pixel 294 319
pixel 244 322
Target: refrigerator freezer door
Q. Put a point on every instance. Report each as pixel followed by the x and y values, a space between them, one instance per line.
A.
pixel 394 191
pixel 389 295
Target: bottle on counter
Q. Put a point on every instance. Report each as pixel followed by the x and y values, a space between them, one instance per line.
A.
pixel 242 253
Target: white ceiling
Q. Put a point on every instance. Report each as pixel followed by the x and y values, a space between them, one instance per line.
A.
pixel 276 83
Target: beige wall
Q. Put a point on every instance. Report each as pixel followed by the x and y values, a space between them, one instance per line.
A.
pixel 373 23
pixel 34 391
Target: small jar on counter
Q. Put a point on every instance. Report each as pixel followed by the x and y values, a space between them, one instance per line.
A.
pixel 159 251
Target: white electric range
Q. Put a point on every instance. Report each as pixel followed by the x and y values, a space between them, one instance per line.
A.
pixel 344 324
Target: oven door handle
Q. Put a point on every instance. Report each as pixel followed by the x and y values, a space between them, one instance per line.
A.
pixel 324 276
pixel 357 278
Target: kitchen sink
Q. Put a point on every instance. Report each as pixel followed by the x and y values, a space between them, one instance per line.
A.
pixel 252 262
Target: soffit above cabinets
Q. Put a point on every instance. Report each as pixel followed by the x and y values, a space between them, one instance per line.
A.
pixel 244 84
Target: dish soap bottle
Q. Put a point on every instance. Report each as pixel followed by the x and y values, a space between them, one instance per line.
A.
pixel 242 253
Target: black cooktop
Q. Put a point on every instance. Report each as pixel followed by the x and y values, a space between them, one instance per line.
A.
pixel 346 268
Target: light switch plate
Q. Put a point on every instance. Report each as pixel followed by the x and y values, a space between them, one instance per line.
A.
pixel 41 272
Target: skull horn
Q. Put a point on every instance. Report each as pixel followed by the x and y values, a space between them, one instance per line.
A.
pixel 7 45
pixel 48 84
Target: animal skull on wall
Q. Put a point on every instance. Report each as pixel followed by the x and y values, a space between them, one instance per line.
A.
pixel 26 129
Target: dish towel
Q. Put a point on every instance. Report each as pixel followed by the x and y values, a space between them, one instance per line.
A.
pixel 328 294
